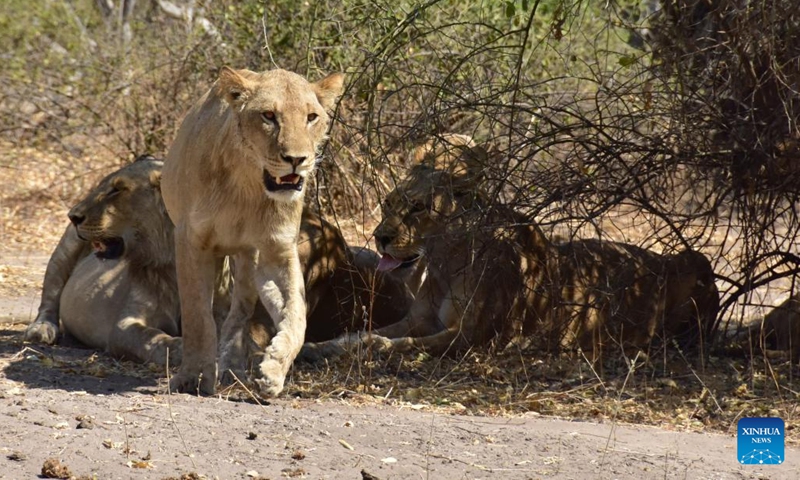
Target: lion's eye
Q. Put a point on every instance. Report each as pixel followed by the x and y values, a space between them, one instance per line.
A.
pixel 114 190
pixel 268 116
pixel 418 207
pixel 312 117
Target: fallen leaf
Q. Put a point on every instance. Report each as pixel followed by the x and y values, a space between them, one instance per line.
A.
pixel 139 464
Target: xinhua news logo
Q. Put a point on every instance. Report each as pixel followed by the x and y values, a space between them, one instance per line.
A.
pixel 760 441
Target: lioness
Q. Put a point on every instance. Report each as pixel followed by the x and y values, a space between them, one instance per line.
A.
pixel 111 279
pixel 344 291
pixel 780 329
pixel 233 185
pixel 493 275
pixel 130 240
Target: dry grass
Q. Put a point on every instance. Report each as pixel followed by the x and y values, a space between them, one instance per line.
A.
pixel 673 395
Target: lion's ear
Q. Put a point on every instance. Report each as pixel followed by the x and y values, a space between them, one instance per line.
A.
pixel 233 85
pixel 422 154
pixel 454 153
pixel 471 163
pixel 329 89
pixel 155 178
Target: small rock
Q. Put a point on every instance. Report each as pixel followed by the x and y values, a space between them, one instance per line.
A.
pixel 17 457
pixel 252 435
pixel 298 455
pixel 368 476
pixel 53 468
pixel 84 422
pixel 293 472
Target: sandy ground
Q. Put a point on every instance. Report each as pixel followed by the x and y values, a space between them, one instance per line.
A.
pixel 103 420
pixel 120 426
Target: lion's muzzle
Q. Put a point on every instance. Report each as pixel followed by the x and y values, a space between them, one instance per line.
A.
pixel 292 181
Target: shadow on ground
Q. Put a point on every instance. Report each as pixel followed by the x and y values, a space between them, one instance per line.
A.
pixel 70 367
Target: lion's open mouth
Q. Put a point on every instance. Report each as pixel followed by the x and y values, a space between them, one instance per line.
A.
pixel 292 181
pixel 388 262
pixel 109 248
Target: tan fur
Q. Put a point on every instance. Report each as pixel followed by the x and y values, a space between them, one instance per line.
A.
pixel 342 286
pixel 780 329
pixel 343 290
pixel 492 274
pixel 248 128
pixel 128 305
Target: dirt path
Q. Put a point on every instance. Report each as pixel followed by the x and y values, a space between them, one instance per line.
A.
pixel 133 423
pixel 109 420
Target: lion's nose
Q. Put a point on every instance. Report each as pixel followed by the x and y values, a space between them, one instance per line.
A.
pixel 76 219
pixel 295 161
pixel 383 240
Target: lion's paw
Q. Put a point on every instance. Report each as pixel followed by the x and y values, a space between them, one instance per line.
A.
pixel 270 378
pixel 232 360
pixel 377 343
pixel 316 352
pixel 194 380
pixel 230 376
pixel 42 331
pixel 174 352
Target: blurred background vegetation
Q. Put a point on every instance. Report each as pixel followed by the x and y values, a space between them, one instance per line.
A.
pixel 668 124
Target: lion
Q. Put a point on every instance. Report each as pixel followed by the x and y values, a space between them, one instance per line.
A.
pixel 111 279
pixel 779 330
pixel 233 184
pixel 345 291
pixel 494 277
pixel 128 228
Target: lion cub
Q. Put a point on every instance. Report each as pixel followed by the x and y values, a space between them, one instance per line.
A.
pixel 233 184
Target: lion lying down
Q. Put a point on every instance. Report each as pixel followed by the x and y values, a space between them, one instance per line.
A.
pixel 111 279
pixel 493 276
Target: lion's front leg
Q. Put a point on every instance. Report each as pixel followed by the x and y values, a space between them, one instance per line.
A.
pixel 62 262
pixel 442 323
pixel 281 289
pixel 195 268
pixel 233 342
pixel 132 339
pixel 420 321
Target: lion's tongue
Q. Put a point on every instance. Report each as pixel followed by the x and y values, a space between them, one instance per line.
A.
pixel 387 263
pixel 291 178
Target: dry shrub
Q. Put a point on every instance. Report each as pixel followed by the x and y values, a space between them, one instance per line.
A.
pixel 687 147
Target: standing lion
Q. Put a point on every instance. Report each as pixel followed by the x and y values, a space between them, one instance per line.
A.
pixel 233 184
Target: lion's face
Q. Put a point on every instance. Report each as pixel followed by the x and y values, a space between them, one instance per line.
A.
pixel 282 120
pixel 418 209
pixel 428 200
pixel 112 214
